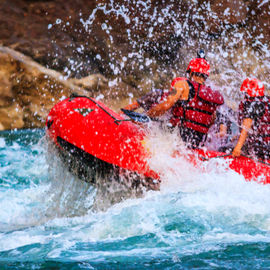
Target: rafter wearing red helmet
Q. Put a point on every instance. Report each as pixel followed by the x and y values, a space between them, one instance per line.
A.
pixel 200 66
pixel 254 120
pixel 191 103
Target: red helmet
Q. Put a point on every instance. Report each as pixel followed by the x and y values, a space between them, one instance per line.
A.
pixel 199 65
pixel 253 87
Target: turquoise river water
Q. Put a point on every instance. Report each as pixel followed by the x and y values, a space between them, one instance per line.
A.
pixel 211 220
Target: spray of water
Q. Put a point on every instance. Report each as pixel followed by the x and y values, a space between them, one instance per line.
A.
pixel 160 41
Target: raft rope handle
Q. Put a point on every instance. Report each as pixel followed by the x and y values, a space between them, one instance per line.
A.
pixel 258 160
pixel 207 159
pixel 116 121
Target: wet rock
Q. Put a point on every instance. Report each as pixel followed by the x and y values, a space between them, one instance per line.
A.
pixel 6 89
pixel 28 91
pixel 259 21
pixel 88 37
pixel 94 82
pixel 230 12
pixel 120 89
pixel 11 117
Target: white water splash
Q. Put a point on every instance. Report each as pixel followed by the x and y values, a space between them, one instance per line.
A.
pixel 216 207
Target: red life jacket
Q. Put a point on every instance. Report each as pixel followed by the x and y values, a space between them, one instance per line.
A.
pixel 260 131
pixel 197 113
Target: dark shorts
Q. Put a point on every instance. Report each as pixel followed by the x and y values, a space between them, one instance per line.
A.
pixel 257 150
pixel 191 137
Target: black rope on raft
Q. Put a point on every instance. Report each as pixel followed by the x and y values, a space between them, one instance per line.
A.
pixel 227 155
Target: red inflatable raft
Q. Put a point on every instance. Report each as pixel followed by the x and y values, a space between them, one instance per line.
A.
pixel 101 141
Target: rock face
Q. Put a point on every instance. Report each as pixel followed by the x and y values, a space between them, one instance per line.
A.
pixel 121 47
pixel 28 91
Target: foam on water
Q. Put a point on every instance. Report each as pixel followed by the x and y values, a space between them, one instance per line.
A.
pixel 48 212
pixel 2 143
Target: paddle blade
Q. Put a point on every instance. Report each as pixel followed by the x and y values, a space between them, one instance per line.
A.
pixel 135 116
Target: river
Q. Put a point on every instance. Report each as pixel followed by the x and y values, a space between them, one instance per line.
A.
pixel 197 220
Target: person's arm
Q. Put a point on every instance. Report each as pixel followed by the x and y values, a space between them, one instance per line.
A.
pixel 247 123
pixel 133 106
pixel 222 130
pixel 177 93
